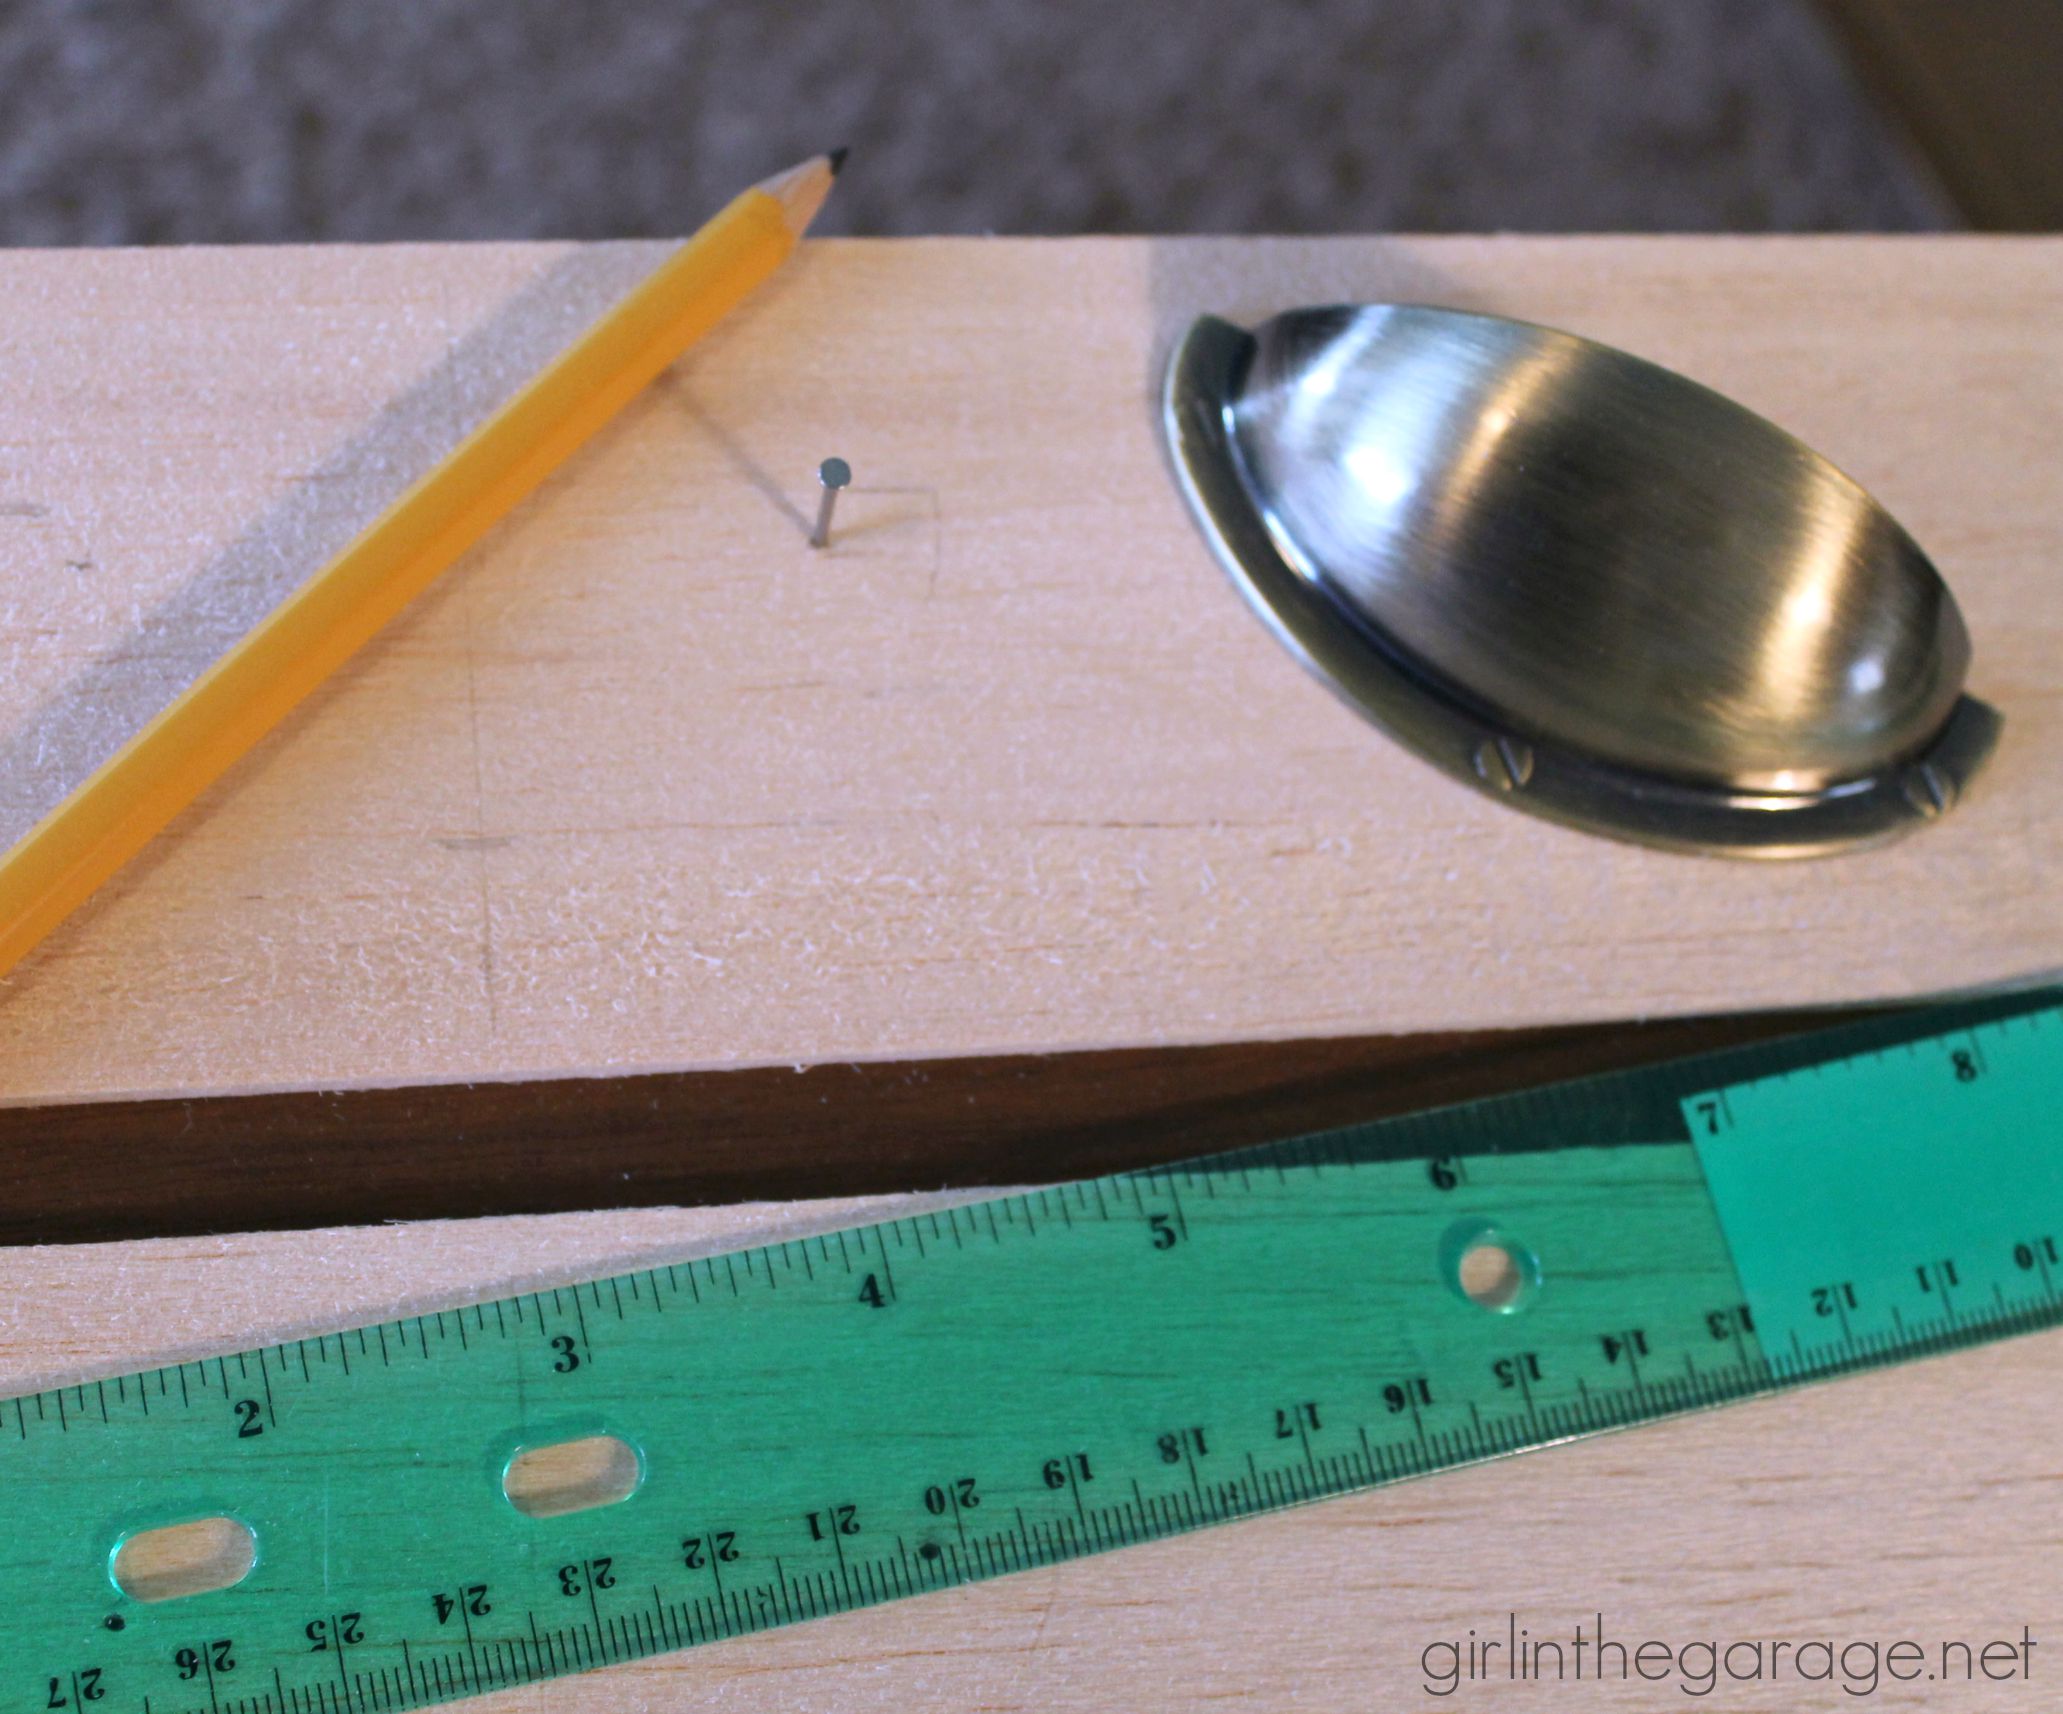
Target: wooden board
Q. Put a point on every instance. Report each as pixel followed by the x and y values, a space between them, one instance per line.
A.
pixel 1918 1503
pixel 648 785
pixel 97 1170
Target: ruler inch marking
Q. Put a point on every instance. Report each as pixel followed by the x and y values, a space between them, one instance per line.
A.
pixel 1884 1246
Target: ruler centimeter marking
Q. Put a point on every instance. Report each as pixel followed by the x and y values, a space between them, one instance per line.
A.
pixel 835 1420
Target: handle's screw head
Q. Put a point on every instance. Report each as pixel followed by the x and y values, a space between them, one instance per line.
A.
pixel 1930 790
pixel 1504 764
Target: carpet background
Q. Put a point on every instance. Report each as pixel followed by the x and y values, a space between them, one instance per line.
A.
pixel 175 121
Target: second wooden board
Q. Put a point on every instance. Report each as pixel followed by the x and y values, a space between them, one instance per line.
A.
pixel 650 784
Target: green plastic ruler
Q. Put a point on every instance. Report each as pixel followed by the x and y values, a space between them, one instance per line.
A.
pixel 877 1412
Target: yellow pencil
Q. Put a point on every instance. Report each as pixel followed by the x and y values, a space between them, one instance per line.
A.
pixel 128 800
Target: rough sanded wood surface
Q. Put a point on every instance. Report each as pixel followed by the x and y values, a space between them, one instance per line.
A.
pixel 648 785
pixel 1919 1503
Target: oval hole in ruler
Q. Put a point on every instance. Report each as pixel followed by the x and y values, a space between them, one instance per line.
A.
pixel 572 1476
pixel 1488 1267
pixel 194 1558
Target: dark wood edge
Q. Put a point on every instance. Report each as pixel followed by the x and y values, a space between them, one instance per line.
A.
pixel 1974 86
pixel 143 1169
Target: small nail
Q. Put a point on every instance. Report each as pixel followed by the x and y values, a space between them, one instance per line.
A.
pixel 834 474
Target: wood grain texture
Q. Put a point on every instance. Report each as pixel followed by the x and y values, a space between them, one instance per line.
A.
pixel 1916 1503
pixel 647 785
pixel 145 1169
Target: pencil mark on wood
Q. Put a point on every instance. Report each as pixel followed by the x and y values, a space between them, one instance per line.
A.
pixel 134 676
pixel 863 526
pixel 479 843
pixel 938 545
pixel 782 687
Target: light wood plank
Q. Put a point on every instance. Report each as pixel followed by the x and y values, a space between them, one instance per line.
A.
pixel 648 784
pixel 1916 1503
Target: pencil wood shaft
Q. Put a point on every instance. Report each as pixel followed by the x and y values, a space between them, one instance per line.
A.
pixel 192 742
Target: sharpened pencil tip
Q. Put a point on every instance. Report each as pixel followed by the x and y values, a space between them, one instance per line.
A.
pixel 802 188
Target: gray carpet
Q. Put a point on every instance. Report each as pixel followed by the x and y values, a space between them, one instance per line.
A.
pixel 171 121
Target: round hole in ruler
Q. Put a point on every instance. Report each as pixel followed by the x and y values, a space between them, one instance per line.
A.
pixel 565 1476
pixel 1488 1267
pixel 192 1558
